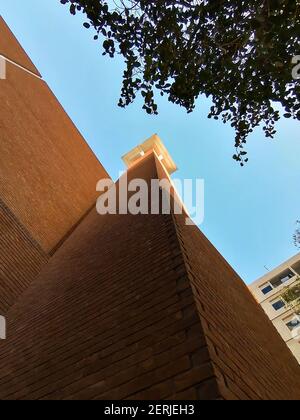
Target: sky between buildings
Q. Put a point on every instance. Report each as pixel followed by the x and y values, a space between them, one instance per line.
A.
pixel 250 212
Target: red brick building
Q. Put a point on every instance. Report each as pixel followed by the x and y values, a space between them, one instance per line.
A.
pixel 114 306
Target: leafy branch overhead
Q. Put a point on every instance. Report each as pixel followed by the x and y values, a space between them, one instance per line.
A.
pixel 238 53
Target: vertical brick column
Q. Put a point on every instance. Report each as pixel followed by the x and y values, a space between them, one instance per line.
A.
pixel 112 316
pixel 250 359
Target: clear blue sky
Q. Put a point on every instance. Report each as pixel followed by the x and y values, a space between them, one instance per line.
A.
pixel 250 212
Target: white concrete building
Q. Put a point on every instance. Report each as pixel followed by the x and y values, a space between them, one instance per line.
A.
pixel 268 292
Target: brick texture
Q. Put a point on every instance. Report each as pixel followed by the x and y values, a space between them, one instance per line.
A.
pixel 21 258
pixel 48 174
pixel 250 358
pixel 111 317
pixel 10 48
pixel 141 307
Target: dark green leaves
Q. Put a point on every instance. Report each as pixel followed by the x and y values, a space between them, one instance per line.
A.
pixel 238 53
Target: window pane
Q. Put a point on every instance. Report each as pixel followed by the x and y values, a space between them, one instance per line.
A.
pixel 267 289
pixel 286 278
pixel 276 283
pixel 295 323
pixel 282 278
pixel 278 305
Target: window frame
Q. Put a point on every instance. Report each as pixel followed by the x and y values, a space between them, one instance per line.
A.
pixel 277 301
pixel 265 287
pixel 294 327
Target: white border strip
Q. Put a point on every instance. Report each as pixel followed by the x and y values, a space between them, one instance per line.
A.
pixel 2 68
pixel 2 328
pixel 3 60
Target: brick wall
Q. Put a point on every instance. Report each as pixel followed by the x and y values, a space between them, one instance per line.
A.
pixel 132 307
pixel 250 358
pixel 21 258
pixel 48 174
pixel 112 316
pixel 10 48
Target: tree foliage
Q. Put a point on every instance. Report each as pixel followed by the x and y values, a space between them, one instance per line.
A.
pixel 291 296
pixel 237 52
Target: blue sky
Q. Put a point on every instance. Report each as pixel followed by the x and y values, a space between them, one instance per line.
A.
pixel 250 212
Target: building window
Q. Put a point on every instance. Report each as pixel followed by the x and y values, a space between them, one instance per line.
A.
pixel 278 304
pixel 293 324
pixel 286 277
pixel 267 288
pixel 296 267
pixel 282 278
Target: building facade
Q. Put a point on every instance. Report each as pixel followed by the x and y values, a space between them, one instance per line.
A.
pixel 268 291
pixel 121 306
